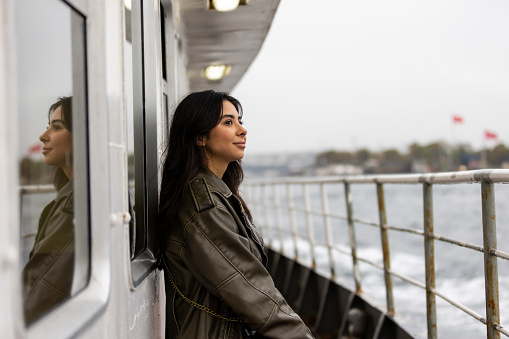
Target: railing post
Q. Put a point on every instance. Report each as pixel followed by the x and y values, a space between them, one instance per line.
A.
pixel 256 203
pixel 385 248
pixel 351 234
pixel 277 207
pixel 293 224
pixel 328 229
pixel 490 261
pixel 265 206
pixel 429 258
pixel 309 223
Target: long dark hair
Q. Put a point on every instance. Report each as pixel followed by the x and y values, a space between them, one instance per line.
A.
pixel 59 177
pixel 196 115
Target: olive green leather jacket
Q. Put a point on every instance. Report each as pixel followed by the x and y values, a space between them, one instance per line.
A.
pixel 216 262
pixel 48 274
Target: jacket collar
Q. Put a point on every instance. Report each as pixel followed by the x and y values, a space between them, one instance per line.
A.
pixel 213 181
pixel 66 190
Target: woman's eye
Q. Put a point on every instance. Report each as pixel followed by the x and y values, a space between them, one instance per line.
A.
pixel 228 122
pixel 241 122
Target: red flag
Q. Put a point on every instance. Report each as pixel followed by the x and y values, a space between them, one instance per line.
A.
pixel 457 119
pixel 35 148
pixel 490 135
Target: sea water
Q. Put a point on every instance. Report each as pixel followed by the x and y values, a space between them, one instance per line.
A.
pixel 459 271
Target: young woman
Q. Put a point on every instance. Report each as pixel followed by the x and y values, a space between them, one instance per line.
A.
pixel 47 276
pixel 213 256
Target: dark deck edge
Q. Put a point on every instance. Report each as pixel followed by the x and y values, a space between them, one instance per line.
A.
pixel 329 309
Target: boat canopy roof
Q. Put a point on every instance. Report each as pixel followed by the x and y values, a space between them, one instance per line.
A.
pixel 231 38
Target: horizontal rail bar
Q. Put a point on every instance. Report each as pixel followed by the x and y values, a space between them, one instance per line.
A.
pixel 32 189
pixel 492 176
pixel 501 329
pixel 457 242
pixel 342 251
pixel 312 212
pixel 405 230
pixel 303 210
pixel 500 254
pixel 408 279
pixel 380 267
pixel 460 306
pixel 366 222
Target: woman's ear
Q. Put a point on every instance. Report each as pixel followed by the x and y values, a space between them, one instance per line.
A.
pixel 200 141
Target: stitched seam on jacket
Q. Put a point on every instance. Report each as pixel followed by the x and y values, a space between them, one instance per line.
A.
pixel 49 266
pixel 173 241
pixel 236 268
pixel 224 282
pixel 270 317
pixel 190 221
pixel 193 194
pixel 212 188
pixel 174 318
pixel 209 195
pixel 51 287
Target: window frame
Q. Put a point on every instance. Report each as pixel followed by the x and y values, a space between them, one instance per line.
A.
pixel 69 318
pixel 146 103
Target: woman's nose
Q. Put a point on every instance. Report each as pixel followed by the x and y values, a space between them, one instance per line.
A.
pixel 242 130
pixel 44 136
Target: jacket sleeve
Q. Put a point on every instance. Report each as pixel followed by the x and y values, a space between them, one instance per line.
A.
pixel 221 260
pixel 47 276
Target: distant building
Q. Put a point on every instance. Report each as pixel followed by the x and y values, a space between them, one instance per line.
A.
pixel 278 165
pixel 338 169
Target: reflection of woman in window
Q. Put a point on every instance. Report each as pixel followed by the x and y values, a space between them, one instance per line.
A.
pixel 217 285
pixel 47 276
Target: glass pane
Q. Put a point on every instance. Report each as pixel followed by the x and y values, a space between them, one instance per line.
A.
pixel 128 76
pixel 51 104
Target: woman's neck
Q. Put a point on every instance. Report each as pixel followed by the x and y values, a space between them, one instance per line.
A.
pixel 68 173
pixel 217 169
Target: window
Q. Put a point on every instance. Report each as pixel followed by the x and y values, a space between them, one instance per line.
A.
pixel 53 154
pixel 142 74
pixel 131 159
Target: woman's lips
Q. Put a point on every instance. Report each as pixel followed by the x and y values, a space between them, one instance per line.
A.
pixel 240 144
pixel 46 150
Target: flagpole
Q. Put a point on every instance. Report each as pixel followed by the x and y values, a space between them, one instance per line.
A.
pixel 484 160
pixel 451 148
pixel 456 119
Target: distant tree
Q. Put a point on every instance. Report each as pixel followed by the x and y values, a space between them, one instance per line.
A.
pixel 34 172
pixel 436 155
pixel 334 157
pixel 25 170
pixel 392 155
pixel 362 155
pixel 416 151
pixel 497 155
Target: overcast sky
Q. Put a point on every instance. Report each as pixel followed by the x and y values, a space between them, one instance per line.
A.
pixel 344 75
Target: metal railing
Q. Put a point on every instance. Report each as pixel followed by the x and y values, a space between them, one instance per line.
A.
pixel 32 189
pixel 486 178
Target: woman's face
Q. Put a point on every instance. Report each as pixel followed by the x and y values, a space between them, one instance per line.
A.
pixel 227 141
pixel 57 141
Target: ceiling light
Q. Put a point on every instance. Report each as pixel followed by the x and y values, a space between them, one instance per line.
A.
pixel 127 4
pixel 226 5
pixel 217 72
